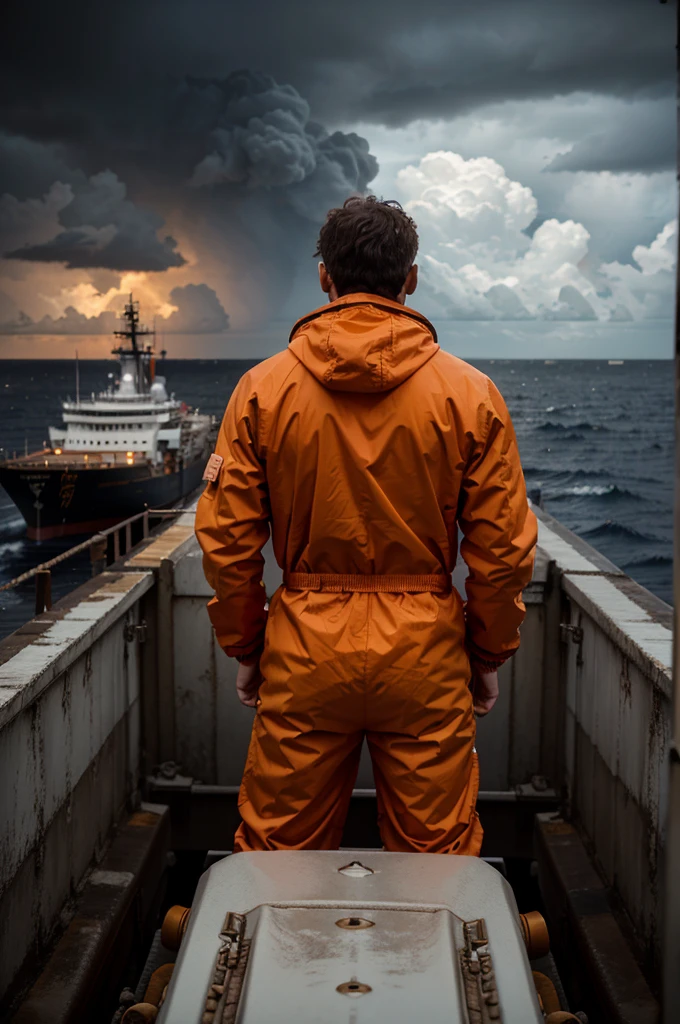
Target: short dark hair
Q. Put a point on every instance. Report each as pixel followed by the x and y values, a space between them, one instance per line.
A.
pixel 368 245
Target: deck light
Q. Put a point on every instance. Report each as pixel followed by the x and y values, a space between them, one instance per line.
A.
pixel 57 451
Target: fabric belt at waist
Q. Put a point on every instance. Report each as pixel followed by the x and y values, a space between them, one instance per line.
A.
pixel 436 583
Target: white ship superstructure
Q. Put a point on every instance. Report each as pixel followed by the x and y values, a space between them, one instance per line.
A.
pixel 135 415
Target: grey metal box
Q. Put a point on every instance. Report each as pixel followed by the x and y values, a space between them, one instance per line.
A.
pixel 359 937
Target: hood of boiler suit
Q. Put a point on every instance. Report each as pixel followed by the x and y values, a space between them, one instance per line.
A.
pixel 367 447
pixel 362 346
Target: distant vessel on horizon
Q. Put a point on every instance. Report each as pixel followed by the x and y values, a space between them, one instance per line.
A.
pixel 127 448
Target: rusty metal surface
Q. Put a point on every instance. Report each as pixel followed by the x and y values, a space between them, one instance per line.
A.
pixel 83 975
pixel 615 716
pixel 69 755
pixel 594 954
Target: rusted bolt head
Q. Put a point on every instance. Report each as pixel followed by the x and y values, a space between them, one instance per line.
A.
pixel 354 924
pixel 353 988
pixel 140 1013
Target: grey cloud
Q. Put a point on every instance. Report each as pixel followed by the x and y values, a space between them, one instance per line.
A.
pixel 506 303
pixel 571 305
pixel 620 314
pixel 389 60
pixel 644 141
pixel 263 138
pixel 102 228
pixel 199 311
pixel 262 175
pixel 29 168
pixel 71 322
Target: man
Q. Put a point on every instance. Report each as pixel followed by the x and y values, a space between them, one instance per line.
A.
pixel 366 447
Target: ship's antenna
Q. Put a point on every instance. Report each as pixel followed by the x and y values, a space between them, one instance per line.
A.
pixel 77 380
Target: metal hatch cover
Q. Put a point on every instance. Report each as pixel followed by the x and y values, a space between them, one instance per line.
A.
pixel 285 936
pixel 302 960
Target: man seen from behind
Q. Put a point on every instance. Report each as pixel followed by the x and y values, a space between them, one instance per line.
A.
pixel 365 448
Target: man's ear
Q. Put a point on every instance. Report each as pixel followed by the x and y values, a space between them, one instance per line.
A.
pixel 411 282
pixel 325 279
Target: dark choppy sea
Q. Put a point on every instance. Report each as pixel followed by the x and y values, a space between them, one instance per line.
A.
pixel 597 439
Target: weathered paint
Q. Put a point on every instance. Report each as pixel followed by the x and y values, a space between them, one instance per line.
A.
pixel 616 724
pixel 69 755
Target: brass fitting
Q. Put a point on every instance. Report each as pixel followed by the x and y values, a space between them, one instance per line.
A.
pixel 174 926
pixel 158 982
pixel 535 934
pixel 140 1013
pixel 547 993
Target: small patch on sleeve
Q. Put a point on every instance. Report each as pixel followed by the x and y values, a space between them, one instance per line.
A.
pixel 212 469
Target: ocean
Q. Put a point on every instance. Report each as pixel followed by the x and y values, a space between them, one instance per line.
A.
pixel 596 440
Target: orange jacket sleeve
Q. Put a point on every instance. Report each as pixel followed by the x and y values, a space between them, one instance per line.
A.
pixel 500 533
pixel 232 527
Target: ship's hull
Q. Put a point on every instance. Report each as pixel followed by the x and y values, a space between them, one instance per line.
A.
pixel 58 502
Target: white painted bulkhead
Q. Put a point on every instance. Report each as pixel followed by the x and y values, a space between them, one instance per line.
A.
pixel 70 724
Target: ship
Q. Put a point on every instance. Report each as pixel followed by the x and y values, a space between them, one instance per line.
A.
pixel 129 447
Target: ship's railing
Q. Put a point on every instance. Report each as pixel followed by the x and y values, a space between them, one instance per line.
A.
pixel 105 547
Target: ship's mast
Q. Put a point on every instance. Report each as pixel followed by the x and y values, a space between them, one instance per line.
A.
pixel 132 331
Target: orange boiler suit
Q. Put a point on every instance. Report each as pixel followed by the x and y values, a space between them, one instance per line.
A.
pixel 365 447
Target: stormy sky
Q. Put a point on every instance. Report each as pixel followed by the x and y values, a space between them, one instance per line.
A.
pixel 189 152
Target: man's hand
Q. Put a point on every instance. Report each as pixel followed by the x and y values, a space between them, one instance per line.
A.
pixel 484 688
pixel 248 679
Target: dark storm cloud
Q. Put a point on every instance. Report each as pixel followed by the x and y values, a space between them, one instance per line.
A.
pixel 388 60
pixel 102 228
pixel 260 135
pixel 29 168
pixel 199 311
pixel 237 140
pixel 645 142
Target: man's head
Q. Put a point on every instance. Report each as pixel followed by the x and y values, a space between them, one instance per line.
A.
pixel 368 245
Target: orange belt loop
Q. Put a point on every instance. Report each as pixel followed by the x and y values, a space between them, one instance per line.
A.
pixel 436 583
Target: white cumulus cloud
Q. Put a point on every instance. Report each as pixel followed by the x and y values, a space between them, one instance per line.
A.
pixel 479 261
pixel 646 290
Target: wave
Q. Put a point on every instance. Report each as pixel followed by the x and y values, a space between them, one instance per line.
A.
pixel 12 547
pixel 551 427
pixel 567 436
pixel 587 474
pixel 595 491
pixel 610 528
pixel 652 562
pixel 564 478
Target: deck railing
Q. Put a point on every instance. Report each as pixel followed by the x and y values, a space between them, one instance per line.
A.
pixel 102 553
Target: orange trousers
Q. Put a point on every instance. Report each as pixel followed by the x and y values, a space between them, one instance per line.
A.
pixel 340 666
